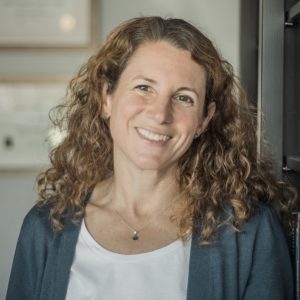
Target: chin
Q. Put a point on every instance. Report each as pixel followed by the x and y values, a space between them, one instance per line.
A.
pixel 151 164
pixel 148 165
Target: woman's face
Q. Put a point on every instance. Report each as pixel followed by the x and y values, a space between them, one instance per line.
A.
pixel 157 106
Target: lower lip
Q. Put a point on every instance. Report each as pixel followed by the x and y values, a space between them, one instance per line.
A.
pixel 151 141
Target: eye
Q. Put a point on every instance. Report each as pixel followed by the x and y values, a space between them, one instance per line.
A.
pixel 143 87
pixel 185 99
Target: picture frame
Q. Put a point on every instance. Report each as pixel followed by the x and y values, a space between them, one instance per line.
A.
pixel 25 128
pixel 46 24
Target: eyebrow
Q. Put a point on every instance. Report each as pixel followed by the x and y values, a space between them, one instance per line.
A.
pixel 184 88
pixel 144 78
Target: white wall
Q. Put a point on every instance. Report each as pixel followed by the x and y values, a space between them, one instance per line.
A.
pixel 218 19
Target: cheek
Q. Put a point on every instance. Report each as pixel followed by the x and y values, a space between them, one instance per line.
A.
pixel 123 111
pixel 130 110
pixel 189 122
pixel 126 105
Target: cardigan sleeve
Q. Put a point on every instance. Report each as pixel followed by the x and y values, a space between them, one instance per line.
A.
pixel 29 258
pixel 271 274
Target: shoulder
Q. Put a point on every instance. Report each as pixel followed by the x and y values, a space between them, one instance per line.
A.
pixel 36 226
pixel 264 212
pixel 267 230
pixel 37 216
pixel 255 260
pixel 261 238
pixel 265 219
pixel 268 256
pixel 262 230
pixel 38 236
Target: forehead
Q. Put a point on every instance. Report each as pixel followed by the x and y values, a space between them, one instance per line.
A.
pixel 161 59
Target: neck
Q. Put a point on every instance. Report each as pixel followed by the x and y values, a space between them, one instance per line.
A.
pixel 142 192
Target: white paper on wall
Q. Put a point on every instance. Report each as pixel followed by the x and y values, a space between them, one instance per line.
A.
pixel 25 124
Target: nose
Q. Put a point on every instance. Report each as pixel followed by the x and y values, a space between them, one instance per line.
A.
pixel 160 110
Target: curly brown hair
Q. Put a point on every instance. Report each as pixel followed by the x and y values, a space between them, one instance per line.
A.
pixel 221 168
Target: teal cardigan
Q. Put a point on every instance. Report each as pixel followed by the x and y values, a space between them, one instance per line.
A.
pixel 251 265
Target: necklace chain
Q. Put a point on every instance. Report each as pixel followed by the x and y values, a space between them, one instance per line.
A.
pixel 136 232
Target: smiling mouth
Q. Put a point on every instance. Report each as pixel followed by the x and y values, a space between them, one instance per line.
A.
pixel 152 136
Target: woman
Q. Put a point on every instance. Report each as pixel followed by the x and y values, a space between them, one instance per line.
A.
pixel 156 191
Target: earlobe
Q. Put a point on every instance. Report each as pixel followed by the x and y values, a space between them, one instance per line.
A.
pixel 106 101
pixel 210 112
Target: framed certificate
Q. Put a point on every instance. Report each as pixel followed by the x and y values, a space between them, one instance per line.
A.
pixel 26 133
pixel 47 23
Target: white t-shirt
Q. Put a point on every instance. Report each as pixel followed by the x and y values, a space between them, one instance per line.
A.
pixel 97 273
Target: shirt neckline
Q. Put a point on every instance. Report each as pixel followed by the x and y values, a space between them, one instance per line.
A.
pixel 100 250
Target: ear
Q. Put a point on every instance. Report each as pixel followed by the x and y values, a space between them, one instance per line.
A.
pixel 106 101
pixel 203 125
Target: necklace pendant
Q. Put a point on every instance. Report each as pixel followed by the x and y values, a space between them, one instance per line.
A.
pixel 135 236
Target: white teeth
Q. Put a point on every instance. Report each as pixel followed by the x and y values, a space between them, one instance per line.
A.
pixel 153 136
